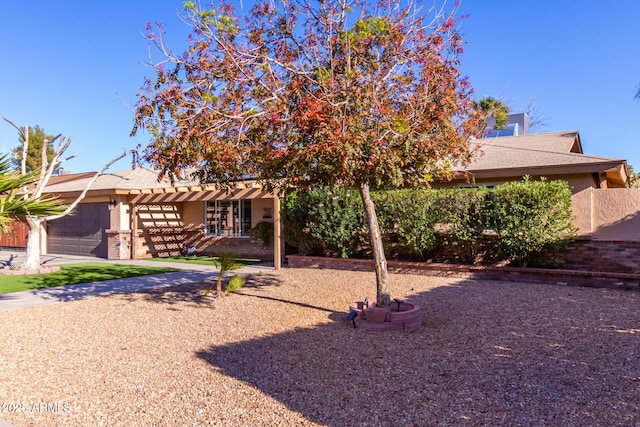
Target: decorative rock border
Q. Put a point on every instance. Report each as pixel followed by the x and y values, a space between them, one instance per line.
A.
pixel 8 271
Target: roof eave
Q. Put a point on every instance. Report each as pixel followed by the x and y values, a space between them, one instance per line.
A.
pixel 592 167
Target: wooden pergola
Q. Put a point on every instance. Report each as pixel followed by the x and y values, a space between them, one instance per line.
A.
pixel 207 192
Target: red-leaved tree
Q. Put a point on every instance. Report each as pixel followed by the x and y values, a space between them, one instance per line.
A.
pixel 306 93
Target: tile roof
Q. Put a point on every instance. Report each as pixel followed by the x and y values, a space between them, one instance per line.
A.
pixel 516 153
pixel 125 180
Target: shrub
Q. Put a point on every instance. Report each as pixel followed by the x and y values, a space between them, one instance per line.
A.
pixel 265 231
pixel 465 218
pixel 235 284
pixel 407 219
pixel 516 220
pixel 295 215
pixel 530 217
pixel 329 219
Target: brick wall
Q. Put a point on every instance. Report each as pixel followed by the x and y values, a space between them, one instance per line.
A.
pixel 173 241
pixel 118 244
pixel 583 253
pixel 528 275
pixel 243 247
pixel 603 255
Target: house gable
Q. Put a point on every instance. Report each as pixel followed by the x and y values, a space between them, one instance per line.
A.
pixel 545 154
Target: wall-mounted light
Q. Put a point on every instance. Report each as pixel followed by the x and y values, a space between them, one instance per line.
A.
pixel 111 204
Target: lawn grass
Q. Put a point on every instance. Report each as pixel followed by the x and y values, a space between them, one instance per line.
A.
pixel 72 274
pixel 202 260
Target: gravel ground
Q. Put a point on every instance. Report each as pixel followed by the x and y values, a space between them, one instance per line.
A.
pixel 281 354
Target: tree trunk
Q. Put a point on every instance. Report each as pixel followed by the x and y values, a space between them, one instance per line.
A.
pixel 383 288
pixel 32 260
pixel 219 284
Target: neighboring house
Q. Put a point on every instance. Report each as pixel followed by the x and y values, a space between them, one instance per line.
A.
pixel 130 214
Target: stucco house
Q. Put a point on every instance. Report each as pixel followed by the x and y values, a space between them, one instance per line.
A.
pixel 130 214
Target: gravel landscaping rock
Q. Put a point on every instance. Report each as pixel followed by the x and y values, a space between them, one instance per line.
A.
pixel 280 353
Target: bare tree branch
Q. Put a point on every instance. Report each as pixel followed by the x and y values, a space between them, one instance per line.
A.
pixel 45 174
pixel 82 195
pixel 32 259
pixel 537 120
pixel 24 134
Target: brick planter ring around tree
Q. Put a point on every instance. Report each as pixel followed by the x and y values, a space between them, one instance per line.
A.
pixel 404 316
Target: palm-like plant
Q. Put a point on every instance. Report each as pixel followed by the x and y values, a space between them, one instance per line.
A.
pixel 492 107
pixel 225 262
pixel 13 204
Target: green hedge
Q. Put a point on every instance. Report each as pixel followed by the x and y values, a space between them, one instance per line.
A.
pixel 531 217
pixel 407 219
pixel 465 218
pixel 325 221
pixel 516 221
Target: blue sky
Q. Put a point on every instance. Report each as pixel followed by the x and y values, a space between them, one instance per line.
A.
pixel 73 67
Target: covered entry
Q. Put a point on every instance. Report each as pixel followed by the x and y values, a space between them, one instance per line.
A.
pixel 80 233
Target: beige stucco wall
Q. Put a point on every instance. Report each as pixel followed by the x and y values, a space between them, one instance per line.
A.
pixel 193 214
pixel 582 211
pixel 121 215
pixel 616 214
pixel 258 212
pixel 607 213
pixel 581 188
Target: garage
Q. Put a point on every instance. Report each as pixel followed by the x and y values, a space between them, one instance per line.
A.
pixel 80 233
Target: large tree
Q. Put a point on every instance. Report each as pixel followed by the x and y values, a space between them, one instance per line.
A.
pixel 39 180
pixel 306 93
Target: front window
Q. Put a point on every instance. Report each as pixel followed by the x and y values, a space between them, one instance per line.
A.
pixel 230 218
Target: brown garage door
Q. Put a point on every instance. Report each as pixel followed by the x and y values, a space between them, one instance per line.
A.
pixel 81 233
